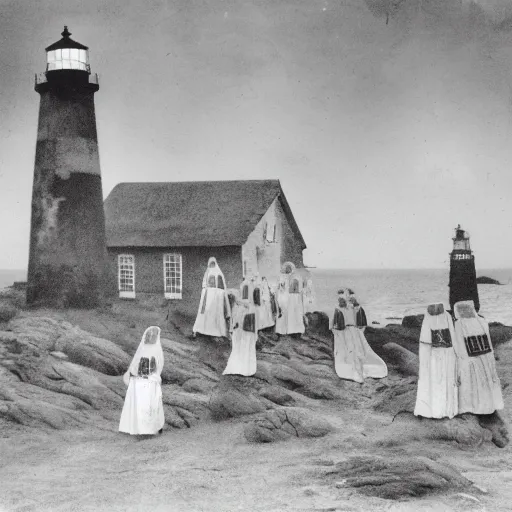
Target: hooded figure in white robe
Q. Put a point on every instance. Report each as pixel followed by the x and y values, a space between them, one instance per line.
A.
pixel 479 384
pixel 309 296
pixel 214 310
pixel 437 383
pixel 263 302
pixel 354 359
pixel 290 301
pixel 143 411
pixel 242 360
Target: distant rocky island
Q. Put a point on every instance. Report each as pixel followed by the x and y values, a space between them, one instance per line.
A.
pixel 487 280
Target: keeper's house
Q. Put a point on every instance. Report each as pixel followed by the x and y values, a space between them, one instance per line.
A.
pixel 160 236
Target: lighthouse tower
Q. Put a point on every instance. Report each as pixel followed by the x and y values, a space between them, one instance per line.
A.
pixel 67 262
pixel 462 284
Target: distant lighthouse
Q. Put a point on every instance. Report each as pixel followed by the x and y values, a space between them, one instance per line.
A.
pixel 67 262
pixel 462 284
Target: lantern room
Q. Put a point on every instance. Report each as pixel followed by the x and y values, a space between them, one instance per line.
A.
pixel 461 240
pixel 67 54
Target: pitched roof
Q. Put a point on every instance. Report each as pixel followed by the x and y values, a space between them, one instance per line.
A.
pixel 190 213
pixel 65 42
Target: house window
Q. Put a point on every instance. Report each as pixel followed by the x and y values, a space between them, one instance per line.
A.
pixel 172 276
pixel 245 268
pixel 126 276
pixel 270 234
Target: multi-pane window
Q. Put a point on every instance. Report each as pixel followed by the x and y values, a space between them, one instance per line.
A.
pixel 126 276
pixel 67 58
pixel 172 276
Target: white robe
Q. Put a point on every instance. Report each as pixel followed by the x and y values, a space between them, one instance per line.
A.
pixel 143 412
pixel 242 360
pixel 309 297
pixel 354 359
pixel 480 387
pixel 214 310
pixel 290 302
pixel 437 385
pixel 264 310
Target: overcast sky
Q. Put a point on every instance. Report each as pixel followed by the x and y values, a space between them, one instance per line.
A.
pixel 384 136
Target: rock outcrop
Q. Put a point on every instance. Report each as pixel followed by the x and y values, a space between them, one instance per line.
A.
pixel 396 477
pixel 404 359
pixel 487 280
pixel 55 375
pixel 283 423
pixel 412 321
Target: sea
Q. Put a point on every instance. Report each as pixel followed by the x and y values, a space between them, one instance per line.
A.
pixel 388 295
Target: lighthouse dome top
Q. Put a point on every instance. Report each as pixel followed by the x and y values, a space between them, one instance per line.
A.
pixel 67 54
pixel 66 42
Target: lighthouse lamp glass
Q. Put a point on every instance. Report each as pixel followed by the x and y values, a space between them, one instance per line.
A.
pixel 67 58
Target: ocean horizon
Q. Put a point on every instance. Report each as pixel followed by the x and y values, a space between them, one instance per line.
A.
pixel 387 295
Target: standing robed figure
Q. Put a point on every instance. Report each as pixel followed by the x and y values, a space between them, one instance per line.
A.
pixel 437 383
pixel 263 302
pixel 214 309
pixel 242 360
pixel 479 384
pixel 354 359
pixel 290 303
pixel 143 411
pixel 309 296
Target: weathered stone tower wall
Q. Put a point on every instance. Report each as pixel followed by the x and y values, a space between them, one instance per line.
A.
pixel 462 284
pixel 68 260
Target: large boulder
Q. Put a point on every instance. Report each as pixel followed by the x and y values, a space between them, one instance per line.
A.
pixel 58 376
pixel 318 323
pixel 398 397
pixel 283 423
pixel 47 335
pixel 394 477
pixel 277 395
pixel 184 409
pixel 465 430
pixel 487 280
pixel 399 400
pixel 412 321
pixel 407 362
pixel 236 396
pixel 59 403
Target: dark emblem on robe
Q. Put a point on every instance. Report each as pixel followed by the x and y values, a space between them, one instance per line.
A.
pixel 146 367
pixel 441 338
pixel 294 286
pixel 338 321
pixel 361 318
pixel 249 322
pixel 227 312
pixel 273 304
pixel 477 345
pixel 211 282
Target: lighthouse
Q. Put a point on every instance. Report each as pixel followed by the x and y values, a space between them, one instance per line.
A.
pixel 462 283
pixel 67 260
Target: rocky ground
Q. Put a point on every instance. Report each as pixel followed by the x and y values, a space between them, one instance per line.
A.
pixel 292 437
